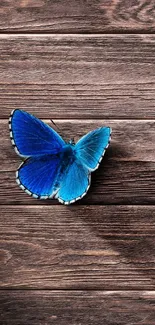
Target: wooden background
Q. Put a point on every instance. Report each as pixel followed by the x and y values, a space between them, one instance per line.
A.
pixel 83 64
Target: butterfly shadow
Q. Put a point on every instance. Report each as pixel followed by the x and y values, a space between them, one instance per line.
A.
pixel 123 229
pixel 136 251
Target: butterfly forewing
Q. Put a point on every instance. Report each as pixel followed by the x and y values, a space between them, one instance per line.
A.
pixel 91 147
pixel 32 137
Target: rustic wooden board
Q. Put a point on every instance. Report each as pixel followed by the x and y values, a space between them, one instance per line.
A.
pixel 113 183
pixel 126 175
pixel 78 76
pixel 87 247
pixel 77 16
pixel 81 81
pixel 77 307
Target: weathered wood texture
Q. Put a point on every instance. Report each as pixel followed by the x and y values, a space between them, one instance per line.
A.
pixel 78 76
pixel 126 175
pixel 77 16
pixel 87 247
pixel 81 81
pixel 82 307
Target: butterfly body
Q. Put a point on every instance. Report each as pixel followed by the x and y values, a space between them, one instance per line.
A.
pixel 52 167
pixel 68 151
pixel 67 157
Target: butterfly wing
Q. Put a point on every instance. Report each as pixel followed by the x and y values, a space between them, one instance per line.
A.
pixel 91 147
pixel 75 183
pixel 32 137
pixel 38 176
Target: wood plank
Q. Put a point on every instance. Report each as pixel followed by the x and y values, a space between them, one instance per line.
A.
pixel 131 140
pixel 77 307
pixel 113 183
pixel 87 247
pixel 77 16
pixel 74 76
pixel 125 176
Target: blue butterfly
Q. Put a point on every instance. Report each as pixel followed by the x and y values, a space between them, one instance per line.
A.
pixel 52 167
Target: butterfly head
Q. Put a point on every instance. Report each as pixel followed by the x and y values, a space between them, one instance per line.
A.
pixel 72 141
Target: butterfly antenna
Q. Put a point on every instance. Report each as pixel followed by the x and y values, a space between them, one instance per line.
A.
pixel 58 129
pixel 55 125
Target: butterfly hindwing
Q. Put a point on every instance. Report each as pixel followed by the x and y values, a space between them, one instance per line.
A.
pixel 91 147
pixel 75 183
pixel 32 137
pixel 38 176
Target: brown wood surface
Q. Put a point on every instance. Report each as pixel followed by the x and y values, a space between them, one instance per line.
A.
pixel 85 247
pixel 83 64
pixel 76 16
pixel 112 183
pixel 77 307
pixel 125 176
pixel 78 76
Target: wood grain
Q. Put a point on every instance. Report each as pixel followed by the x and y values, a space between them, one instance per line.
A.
pixel 78 76
pixel 82 81
pixel 77 307
pixel 84 247
pixel 114 183
pixel 125 176
pixel 77 16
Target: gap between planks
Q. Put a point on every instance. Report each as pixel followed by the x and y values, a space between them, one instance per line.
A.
pixel 46 33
